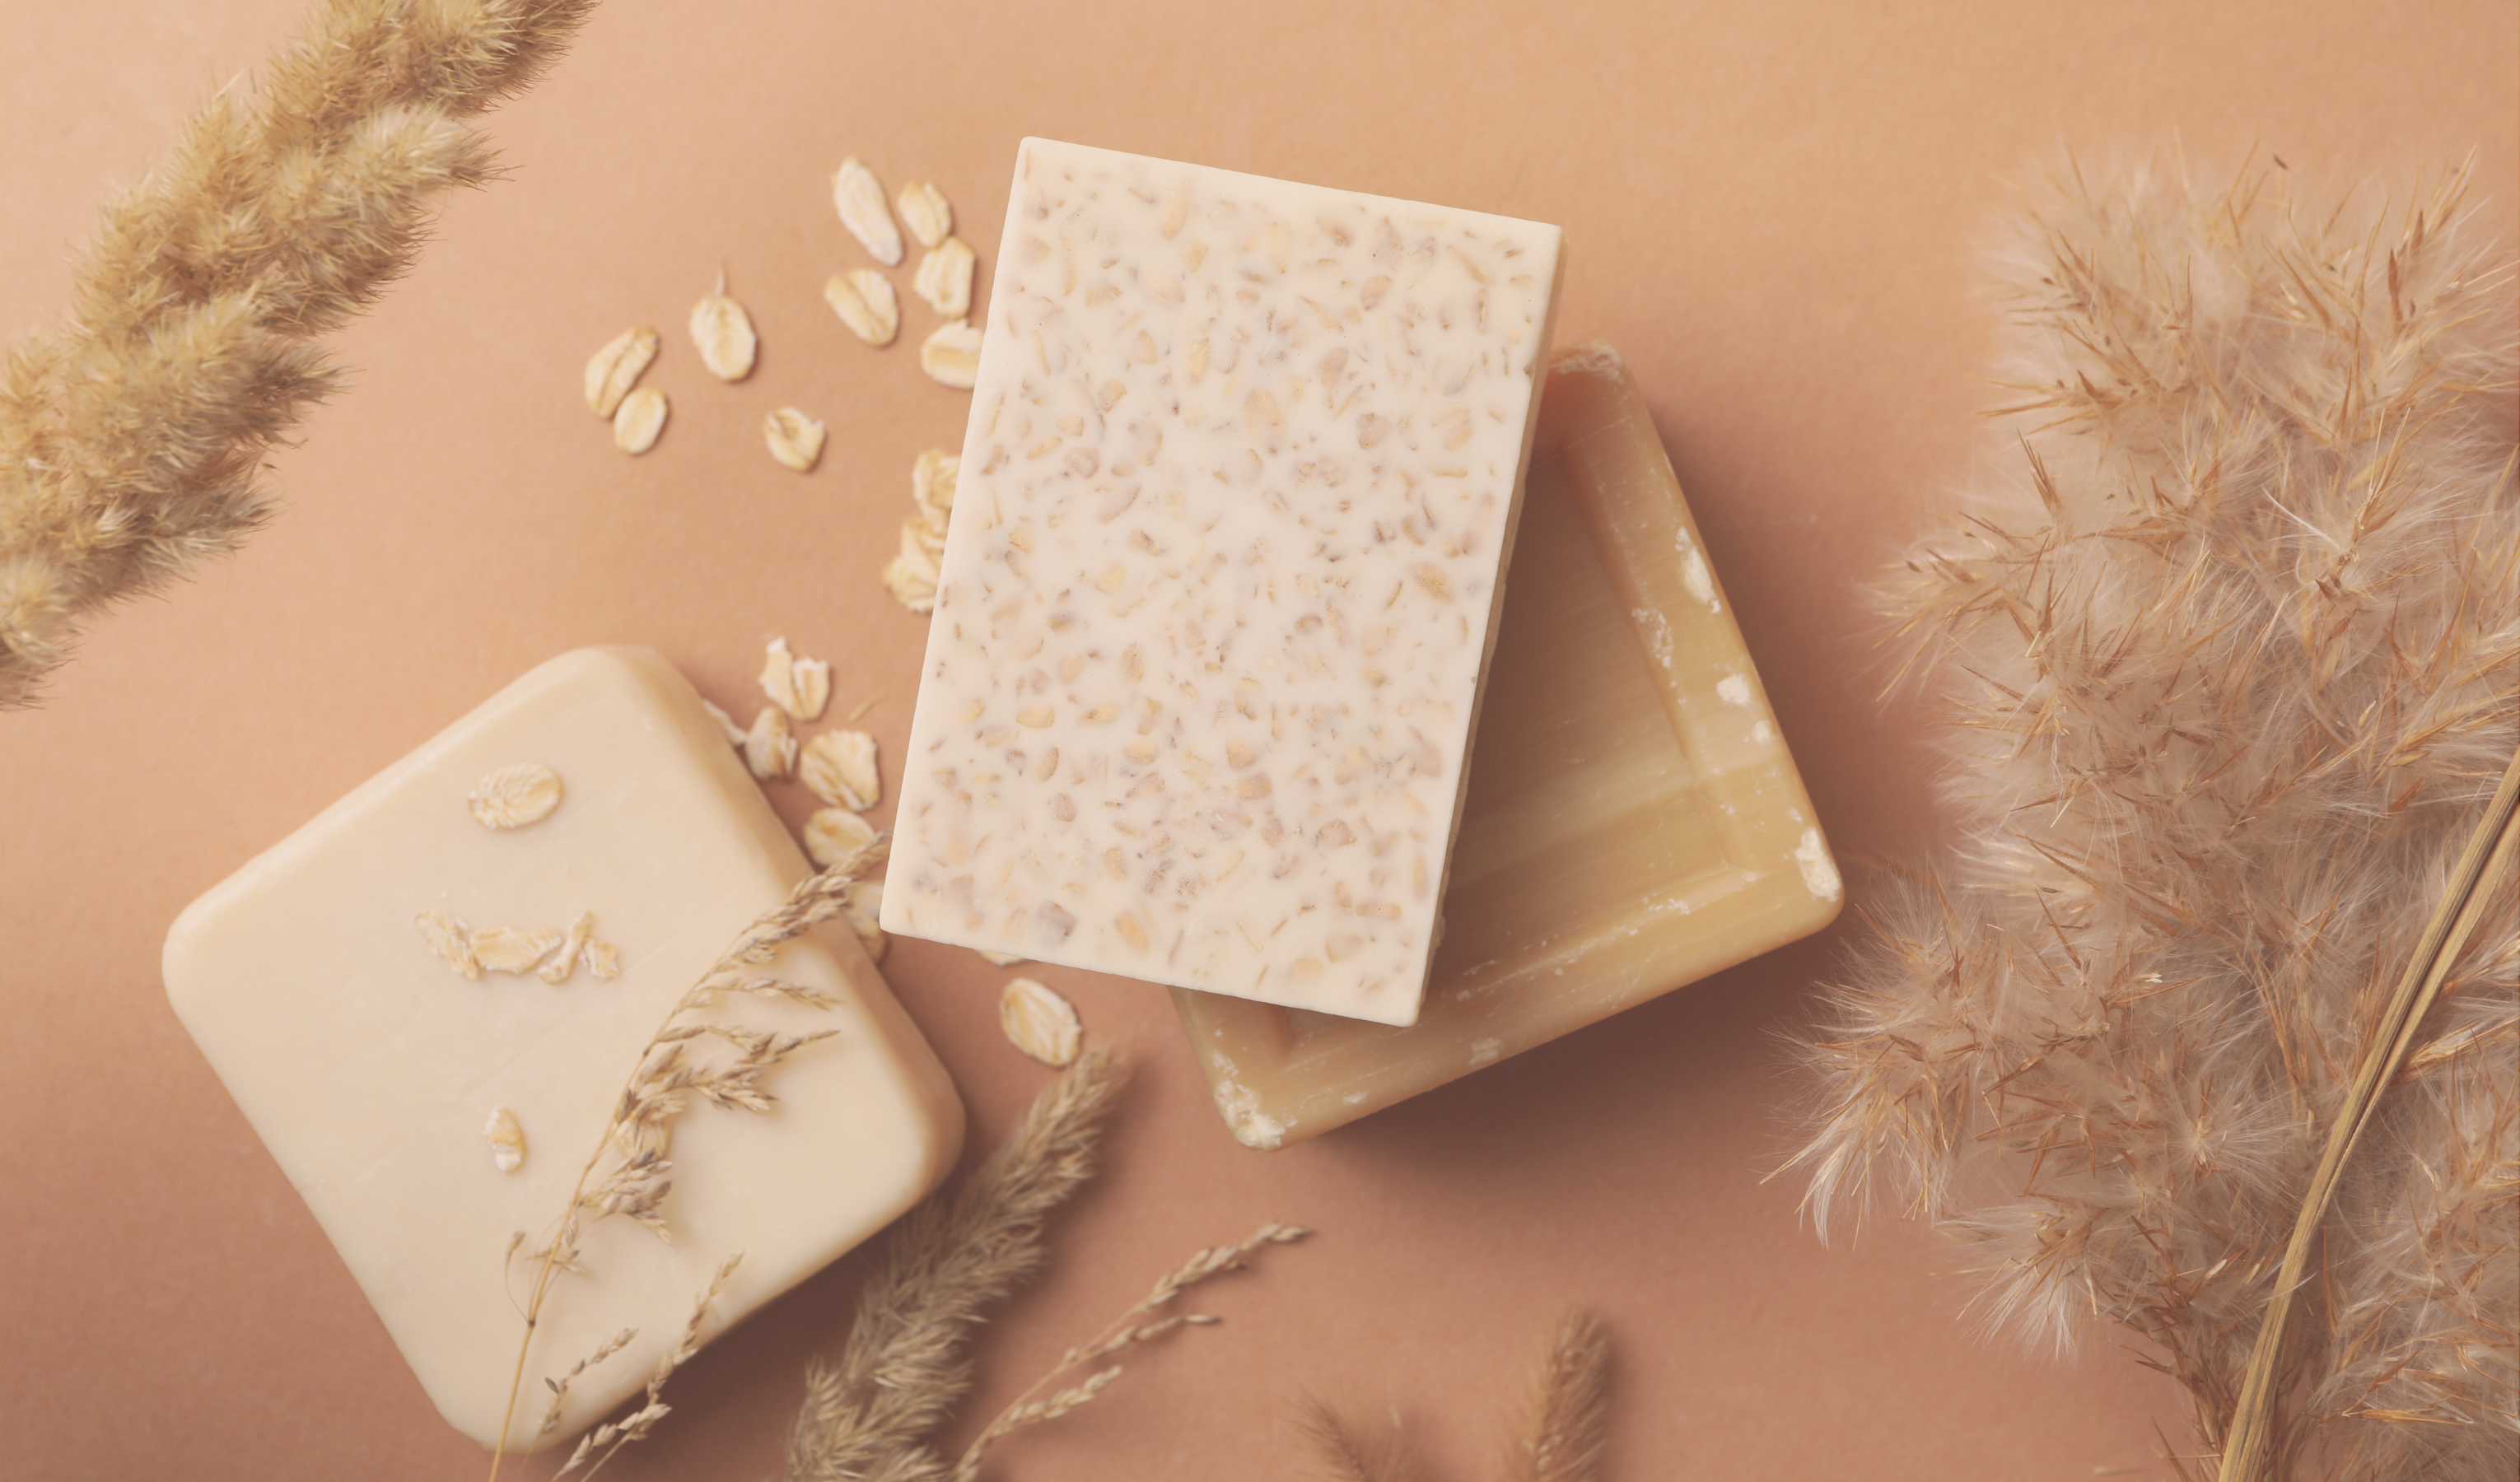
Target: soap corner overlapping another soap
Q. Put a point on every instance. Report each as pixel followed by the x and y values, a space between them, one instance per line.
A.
pixel 1221 584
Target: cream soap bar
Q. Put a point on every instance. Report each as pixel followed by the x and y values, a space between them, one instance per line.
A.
pixel 372 1068
pixel 1242 470
pixel 1635 821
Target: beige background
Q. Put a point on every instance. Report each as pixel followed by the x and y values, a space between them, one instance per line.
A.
pixel 1772 210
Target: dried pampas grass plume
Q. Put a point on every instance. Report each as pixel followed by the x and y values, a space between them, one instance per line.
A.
pixel 131 436
pixel 2232 669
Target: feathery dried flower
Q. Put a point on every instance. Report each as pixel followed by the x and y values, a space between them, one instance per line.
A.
pixel 628 1174
pixel 874 1412
pixel 1124 1331
pixel 132 437
pixel 2232 670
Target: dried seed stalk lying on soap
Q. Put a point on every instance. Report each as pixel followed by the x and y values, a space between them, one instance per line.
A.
pixel 132 435
pixel 876 1413
pixel 629 1174
pixel 2233 665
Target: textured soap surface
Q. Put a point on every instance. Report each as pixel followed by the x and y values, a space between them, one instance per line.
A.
pixel 1220 584
pixel 1635 819
pixel 371 1067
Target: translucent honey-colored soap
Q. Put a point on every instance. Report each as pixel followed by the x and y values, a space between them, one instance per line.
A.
pixel 1635 821
pixel 428 1001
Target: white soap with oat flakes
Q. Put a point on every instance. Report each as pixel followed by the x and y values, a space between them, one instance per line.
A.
pixel 1220 581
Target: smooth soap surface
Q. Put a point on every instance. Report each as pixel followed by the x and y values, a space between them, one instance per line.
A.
pixel 1635 819
pixel 1219 588
pixel 370 1067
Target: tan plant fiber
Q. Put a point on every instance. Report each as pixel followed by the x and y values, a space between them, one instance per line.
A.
pixel 630 1170
pixel 131 435
pixel 873 1415
pixel 2230 670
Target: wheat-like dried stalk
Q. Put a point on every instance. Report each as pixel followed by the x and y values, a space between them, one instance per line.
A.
pixel 629 1173
pixel 1123 1331
pixel 132 435
pixel 873 1415
pixel 1337 1450
pixel 1570 1407
pixel 2233 669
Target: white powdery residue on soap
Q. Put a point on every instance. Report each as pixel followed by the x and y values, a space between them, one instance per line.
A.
pixel 1252 1127
pixel 1693 573
pixel 1764 734
pixel 1819 871
pixel 1657 631
pixel 1484 1051
pixel 1734 689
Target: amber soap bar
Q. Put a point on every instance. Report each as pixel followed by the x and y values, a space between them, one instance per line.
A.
pixel 1220 584
pixel 376 1070
pixel 1635 821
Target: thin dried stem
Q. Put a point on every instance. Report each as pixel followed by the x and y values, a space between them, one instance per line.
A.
pixel 1123 1331
pixel 873 1415
pixel 631 1152
pixel 2480 873
pixel 132 437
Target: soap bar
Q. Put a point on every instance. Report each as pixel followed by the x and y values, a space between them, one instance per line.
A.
pixel 372 1066
pixel 1635 819
pixel 1219 583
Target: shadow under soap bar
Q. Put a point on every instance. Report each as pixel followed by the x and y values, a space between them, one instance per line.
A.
pixel 1634 824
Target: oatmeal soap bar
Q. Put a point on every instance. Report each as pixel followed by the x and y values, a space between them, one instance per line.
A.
pixel 428 1001
pixel 1635 821
pixel 1220 586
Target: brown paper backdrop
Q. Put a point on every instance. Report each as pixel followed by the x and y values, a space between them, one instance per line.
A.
pixel 1772 210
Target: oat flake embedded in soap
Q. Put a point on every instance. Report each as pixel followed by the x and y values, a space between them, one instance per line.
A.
pixel 1221 579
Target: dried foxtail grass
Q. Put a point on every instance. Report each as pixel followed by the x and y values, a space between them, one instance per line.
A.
pixel 1570 1407
pixel 630 1173
pixel 873 1415
pixel 2232 669
pixel 1565 1428
pixel 132 435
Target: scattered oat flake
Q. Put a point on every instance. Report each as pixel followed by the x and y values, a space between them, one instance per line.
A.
pixel 950 356
pixel 833 835
pixel 927 534
pixel 617 368
pixel 866 302
pixel 723 332
pixel 507 1140
pixel 603 960
pixel 909 587
pixel 1039 1022
pixel 736 735
pixel 801 686
pixel 839 767
pixel 926 211
pixel 795 439
pixel 1002 959
pixel 514 796
pixel 932 483
pixel 859 197
pixel 638 419
pixel 865 913
pixel 768 747
pixel 447 937
pixel 513 949
pixel 944 278
pixel 565 961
